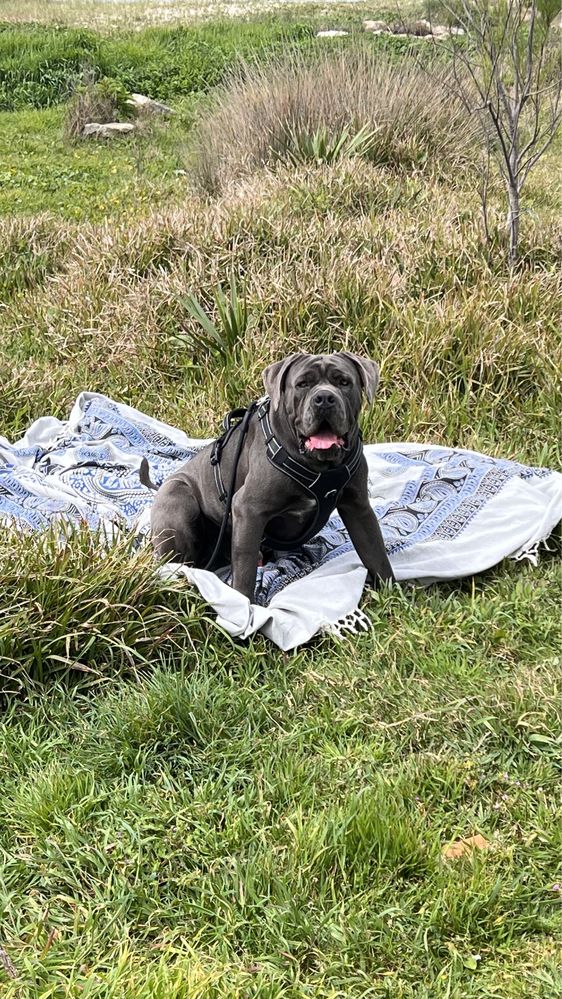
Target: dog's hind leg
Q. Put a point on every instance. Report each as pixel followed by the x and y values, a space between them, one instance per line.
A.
pixel 174 523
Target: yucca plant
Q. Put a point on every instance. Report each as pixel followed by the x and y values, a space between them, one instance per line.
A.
pixel 222 336
pixel 324 146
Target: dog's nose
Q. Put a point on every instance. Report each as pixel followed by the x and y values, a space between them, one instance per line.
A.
pixel 324 400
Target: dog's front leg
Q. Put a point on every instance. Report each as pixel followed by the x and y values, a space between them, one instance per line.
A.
pixel 248 526
pixel 363 527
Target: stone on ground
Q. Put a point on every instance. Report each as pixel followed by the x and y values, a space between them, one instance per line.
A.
pixel 376 27
pixel 107 130
pixel 332 33
pixel 147 105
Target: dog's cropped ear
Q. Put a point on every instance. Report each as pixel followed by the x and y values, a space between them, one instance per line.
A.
pixel 275 376
pixel 368 372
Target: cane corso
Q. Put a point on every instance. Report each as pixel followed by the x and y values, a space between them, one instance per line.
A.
pixel 300 460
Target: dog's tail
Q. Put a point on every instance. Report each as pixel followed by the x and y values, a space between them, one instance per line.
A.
pixel 144 475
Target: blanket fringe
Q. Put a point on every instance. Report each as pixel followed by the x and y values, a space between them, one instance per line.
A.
pixel 531 554
pixel 350 624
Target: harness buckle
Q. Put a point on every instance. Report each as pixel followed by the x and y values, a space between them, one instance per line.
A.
pixel 233 418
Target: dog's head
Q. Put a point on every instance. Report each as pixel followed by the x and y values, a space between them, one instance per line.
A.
pixel 319 396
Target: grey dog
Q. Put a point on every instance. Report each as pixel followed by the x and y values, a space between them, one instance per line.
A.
pixel 301 459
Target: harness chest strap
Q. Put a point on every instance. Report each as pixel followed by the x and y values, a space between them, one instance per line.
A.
pixel 324 487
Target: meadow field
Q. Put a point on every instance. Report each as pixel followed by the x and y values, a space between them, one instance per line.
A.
pixel 187 817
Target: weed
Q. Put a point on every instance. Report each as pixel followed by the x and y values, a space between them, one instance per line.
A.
pixel 322 147
pixel 220 339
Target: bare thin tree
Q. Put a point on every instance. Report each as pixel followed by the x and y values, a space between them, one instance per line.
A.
pixel 506 68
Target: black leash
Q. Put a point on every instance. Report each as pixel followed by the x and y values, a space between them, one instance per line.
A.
pixel 237 419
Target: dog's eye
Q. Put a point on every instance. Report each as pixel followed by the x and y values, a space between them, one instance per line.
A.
pixel 302 384
pixel 343 382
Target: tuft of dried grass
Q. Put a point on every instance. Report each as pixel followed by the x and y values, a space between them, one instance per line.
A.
pixel 293 110
pixel 53 619
pixel 94 100
pixel 32 248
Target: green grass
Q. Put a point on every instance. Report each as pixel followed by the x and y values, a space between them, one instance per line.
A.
pixel 244 823
pixel 41 171
pixel 39 64
pixel 138 14
pixel 186 817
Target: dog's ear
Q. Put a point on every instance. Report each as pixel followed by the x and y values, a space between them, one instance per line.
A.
pixel 368 372
pixel 275 376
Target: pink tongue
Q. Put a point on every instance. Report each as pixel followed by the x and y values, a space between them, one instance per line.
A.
pixel 322 441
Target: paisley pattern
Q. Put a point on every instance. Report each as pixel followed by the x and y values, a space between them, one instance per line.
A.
pixel 86 471
pixel 453 487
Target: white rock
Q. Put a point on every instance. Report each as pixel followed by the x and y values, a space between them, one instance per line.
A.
pixel 108 129
pixel 331 34
pixel 376 27
pixel 147 105
pixel 444 31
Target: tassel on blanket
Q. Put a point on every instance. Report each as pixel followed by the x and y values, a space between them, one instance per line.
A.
pixel 531 554
pixel 350 624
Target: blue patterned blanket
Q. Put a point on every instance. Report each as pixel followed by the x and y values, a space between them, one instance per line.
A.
pixel 444 513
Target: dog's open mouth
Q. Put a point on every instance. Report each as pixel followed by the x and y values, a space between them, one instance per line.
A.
pixel 323 439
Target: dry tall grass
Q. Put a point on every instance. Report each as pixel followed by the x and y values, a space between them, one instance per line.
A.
pixel 354 256
pixel 273 112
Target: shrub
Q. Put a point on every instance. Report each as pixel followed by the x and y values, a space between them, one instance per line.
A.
pixel 81 605
pixel 101 101
pixel 276 113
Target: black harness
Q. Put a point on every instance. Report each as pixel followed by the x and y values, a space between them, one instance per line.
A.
pixel 323 487
pixel 232 421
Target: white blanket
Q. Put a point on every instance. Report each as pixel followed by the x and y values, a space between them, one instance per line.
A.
pixel 444 513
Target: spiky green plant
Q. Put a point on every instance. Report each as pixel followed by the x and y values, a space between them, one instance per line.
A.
pixel 223 335
pixel 324 146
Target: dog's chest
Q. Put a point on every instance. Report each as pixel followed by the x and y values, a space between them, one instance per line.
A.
pixel 290 522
